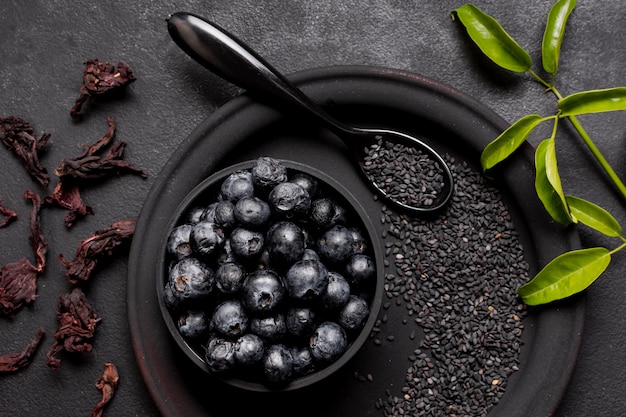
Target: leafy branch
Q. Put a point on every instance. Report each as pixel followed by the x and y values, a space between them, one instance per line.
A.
pixel 573 271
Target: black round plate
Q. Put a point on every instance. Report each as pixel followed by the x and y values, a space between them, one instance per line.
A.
pixel 245 128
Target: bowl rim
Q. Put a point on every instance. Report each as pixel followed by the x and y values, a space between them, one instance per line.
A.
pixel 376 298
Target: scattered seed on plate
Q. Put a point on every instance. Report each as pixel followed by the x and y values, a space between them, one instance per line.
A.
pixel 456 275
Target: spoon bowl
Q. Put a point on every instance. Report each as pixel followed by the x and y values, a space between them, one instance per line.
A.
pixel 401 168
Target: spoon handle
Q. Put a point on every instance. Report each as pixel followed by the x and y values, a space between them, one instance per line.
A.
pixel 231 59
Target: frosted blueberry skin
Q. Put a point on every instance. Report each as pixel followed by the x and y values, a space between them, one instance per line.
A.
pixel 225 215
pixel 237 185
pixel 337 291
pixel 278 364
pixel 360 270
pixel 328 342
pixel 267 173
pixel 271 328
pixel 300 321
pixel 220 354
pixel 246 244
pixel 179 243
pixel 289 200
pixel 354 313
pixel 229 277
pixel 190 280
pixel 229 319
pixel 306 181
pixel 207 238
pixel 193 324
pixel 306 280
pixel 335 245
pixel 252 212
pixel 249 349
pixel 303 361
pixel 262 291
pixel 285 243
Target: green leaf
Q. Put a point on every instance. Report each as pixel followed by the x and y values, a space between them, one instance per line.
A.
pixel 548 183
pixel 593 101
pixel 566 275
pixel 508 141
pixel 553 35
pixel 594 216
pixel 492 39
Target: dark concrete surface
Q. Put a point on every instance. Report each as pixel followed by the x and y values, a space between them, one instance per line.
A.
pixel 43 45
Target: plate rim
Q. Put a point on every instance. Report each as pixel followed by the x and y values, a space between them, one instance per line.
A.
pixel 313 80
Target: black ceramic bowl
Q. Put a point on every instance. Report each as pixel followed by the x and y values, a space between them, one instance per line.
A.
pixel 251 377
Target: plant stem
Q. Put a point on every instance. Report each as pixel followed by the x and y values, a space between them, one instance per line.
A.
pixel 586 138
pixel 619 248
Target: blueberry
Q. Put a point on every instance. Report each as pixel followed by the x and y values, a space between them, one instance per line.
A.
pixel 322 213
pixel 306 280
pixel 305 181
pixel 229 319
pixel 207 238
pixel 229 277
pixel 246 244
pixel 335 245
pixel 303 361
pixel 289 200
pixel 337 291
pixel 328 342
pixel 225 254
pixel 193 323
pixel 262 291
pixel 359 242
pixel 270 328
pixel 252 212
pixel 220 354
pixel 285 243
pixel 300 321
pixel 249 349
pixel 360 270
pixel 195 215
pixel 170 296
pixel 310 255
pixel 267 173
pixel 208 215
pixel 278 364
pixel 178 241
pixel 190 279
pixel 354 314
pixel 236 185
pixel 225 214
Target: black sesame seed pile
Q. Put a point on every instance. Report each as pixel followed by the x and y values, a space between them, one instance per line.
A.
pixel 457 277
pixel 405 174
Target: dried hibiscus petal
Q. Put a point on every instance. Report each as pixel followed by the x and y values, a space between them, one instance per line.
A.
pixel 92 250
pixel 107 383
pixel 77 325
pixel 12 362
pixel 18 136
pixel 67 196
pixel 101 77
pixel 18 280
pixel 89 165
pixel 9 215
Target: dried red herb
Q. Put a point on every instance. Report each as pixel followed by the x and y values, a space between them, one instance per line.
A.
pixel 18 136
pixel 68 197
pixel 107 383
pixel 99 78
pixel 92 250
pixel 89 165
pixel 12 362
pixel 18 280
pixel 77 325
pixel 9 215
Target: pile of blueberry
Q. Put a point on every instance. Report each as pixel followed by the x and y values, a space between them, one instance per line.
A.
pixel 271 277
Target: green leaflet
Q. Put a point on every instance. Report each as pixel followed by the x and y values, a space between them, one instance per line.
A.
pixel 508 141
pixel 548 183
pixel 566 275
pixel 492 39
pixel 553 35
pixel 593 101
pixel 594 216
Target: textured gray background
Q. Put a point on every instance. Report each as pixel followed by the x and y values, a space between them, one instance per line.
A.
pixel 43 45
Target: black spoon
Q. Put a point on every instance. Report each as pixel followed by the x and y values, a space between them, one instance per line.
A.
pixel 234 61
